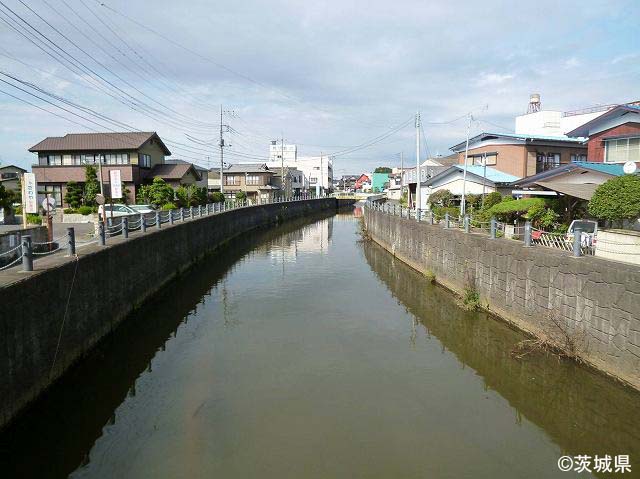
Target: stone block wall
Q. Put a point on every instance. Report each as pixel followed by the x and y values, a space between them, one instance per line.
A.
pixel 597 301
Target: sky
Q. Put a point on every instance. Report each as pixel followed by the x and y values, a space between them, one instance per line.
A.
pixel 338 77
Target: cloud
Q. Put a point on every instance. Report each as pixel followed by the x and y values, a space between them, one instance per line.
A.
pixel 493 78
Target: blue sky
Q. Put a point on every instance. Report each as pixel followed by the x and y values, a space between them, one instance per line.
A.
pixel 325 75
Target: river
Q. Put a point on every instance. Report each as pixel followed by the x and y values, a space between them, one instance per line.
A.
pixel 305 352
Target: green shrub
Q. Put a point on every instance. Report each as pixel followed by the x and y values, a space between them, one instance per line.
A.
pixel 509 210
pixel 69 211
pixel 217 197
pixel 241 196
pixel 471 299
pixel 440 211
pixel 169 206
pixel 74 194
pixel 441 198
pixel 617 200
pixel 34 219
pixel 85 210
pixel 491 199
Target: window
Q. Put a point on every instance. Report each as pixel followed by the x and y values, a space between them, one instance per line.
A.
pixel 491 159
pixel 578 157
pixel 313 180
pixel 547 161
pixel 254 180
pixel 55 191
pixel 6 176
pixel 144 160
pixel 51 160
pixel 232 180
pixel 121 159
pixel 622 149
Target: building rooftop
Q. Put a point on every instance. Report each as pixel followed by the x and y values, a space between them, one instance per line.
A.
pixel 523 137
pixel 98 142
pixel 169 171
pixel 248 168
pixel 492 174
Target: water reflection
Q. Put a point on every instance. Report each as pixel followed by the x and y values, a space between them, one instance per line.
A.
pixel 584 412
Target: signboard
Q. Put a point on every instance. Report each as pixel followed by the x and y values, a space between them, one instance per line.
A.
pixel 30 199
pixel 49 204
pixel 116 184
pixel 629 167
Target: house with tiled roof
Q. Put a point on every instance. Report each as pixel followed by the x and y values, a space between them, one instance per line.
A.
pixel 63 159
pixel 255 179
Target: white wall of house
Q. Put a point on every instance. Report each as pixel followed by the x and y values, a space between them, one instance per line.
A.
pixel 316 170
pixel 454 183
pixel 551 123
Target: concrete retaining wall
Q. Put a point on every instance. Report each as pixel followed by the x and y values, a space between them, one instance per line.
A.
pixel 101 288
pixel 10 239
pixel 596 301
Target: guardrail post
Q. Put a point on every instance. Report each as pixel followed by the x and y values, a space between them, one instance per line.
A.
pixel 27 254
pixel 102 235
pixel 158 220
pixel 467 223
pixel 71 241
pixel 125 227
pixel 432 220
pixel 110 222
pixel 394 209
pixel 493 228
pixel 418 214
pixel 143 223
pixel 446 220
pixel 171 219
pixel 577 242
pixel 182 214
pixel 527 233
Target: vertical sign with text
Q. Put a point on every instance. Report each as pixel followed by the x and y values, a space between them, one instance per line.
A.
pixel 116 184
pixel 30 193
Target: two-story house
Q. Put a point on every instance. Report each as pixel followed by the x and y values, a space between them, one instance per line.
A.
pixel 255 179
pixel 294 183
pixel 10 177
pixel 63 159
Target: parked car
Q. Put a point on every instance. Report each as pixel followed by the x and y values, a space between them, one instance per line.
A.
pixel 118 211
pixel 143 209
pixel 589 230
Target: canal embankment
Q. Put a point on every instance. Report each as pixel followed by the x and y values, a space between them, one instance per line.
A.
pixel 52 316
pixel 595 303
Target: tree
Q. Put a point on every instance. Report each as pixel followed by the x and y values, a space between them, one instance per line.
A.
pixel 491 199
pixel 241 196
pixel 143 194
pixel 160 192
pixel 617 200
pixel 7 198
pixel 473 201
pixel 125 193
pixel 441 197
pixel 216 197
pixel 91 185
pixel 382 169
pixel 73 196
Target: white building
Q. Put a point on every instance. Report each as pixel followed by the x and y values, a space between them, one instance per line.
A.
pixel 317 170
pixel 553 122
pixel 276 151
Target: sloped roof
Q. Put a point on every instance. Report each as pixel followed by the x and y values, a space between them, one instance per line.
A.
pixel 606 168
pixel 492 174
pixel 2 167
pixel 171 171
pixel 248 168
pixel 98 142
pixel 583 130
pixel 177 161
pixel 584 191
pixel 520 137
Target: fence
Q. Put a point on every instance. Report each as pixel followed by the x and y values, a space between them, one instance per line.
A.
pixel 27 251
pixel 578 244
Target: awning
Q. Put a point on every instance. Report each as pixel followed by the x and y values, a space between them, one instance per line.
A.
pixel 578 190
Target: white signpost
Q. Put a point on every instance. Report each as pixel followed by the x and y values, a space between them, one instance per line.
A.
pixel 30 193
pixel 116 184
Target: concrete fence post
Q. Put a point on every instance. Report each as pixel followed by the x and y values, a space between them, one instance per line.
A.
pixel 191 211
pixel 102 235
pixel 143 224
pixel 527 233
pixel 27 254
pixel 432 219
pixel 493 228
pixel 467 223
pixel 125 227
pixel 394 209
pixel 71 241
pixel 109 222
pixel 446 220
pixel 158 220
pixel 418 214
pixel 577 242
pixel 171 219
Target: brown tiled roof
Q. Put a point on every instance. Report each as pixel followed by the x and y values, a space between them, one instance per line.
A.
pixel 170 171
pixel 98 142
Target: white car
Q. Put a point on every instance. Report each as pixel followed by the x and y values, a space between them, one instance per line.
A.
pixel 142 209
pixel 589 229
pixel 118 211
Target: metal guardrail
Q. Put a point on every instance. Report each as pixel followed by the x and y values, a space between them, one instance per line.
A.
pixel 579 245
pixel 28 250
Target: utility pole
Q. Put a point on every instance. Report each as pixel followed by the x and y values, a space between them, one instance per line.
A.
pixel 417 163
pixel 221 154
pixel 463 205
pixel 284 183
pixel 401 173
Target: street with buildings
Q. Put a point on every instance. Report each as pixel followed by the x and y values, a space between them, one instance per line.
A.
pixel 319 241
